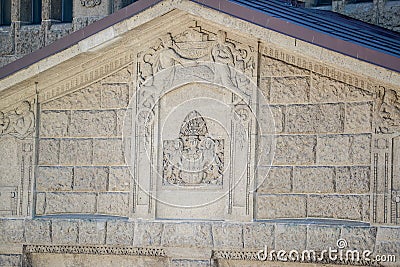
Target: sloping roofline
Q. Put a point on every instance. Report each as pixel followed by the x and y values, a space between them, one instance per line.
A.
pixel 239 9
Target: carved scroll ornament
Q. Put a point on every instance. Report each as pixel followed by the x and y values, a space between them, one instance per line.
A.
pixel 18 123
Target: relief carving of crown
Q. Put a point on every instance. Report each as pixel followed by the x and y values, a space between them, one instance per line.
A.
pixel 193 125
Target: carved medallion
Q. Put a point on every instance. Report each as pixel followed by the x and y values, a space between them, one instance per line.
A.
pixel 195 157
pixel 90 3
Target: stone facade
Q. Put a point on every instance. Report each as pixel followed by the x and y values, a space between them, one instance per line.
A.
pixel 197 142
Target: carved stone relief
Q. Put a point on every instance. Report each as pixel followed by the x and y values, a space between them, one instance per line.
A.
pixel 183 61
pixel 195 157
pixel 16 168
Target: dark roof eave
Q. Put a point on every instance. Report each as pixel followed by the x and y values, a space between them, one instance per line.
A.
pixel 248 14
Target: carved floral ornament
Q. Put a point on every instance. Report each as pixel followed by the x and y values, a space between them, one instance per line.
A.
pixel 90 3
pixel 18 123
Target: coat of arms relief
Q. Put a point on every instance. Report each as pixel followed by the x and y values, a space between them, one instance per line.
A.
pixel 195 157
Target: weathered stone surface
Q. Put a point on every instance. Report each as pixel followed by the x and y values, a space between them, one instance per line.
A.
pixel 257 236
pixel 70 203
pixel 49 150
pixel 388 234
pixel 148 234
pixel 90 178
pixel 264 119
pixel 272 67
pixel 38 232
pixel 344 149
pixel 54 123
pixel 57 31
pixel 11 231
pixel 289 90
pixel 325 118
pixel 325 90
pixel 113 203
pixel 31 33
pixel 227 235
pixel 281 206
pixel 65 232
pixel 195 235
pixel 92 232
pixel 190 263
pixel 313 180
pixel 360 238
pixel 265 88
pixel 288 237
pixel 115 95
pixel 322 237
pixel 295 149
pixel 358 118
pixel 54 179
pixel 336 206
pixel 119 233
pixel 275 180
pixel 10 260
pixel 352 179
pixel 123 75
pixel 7 47
pixel 93 123
pixel 119 179
pixel 108 151
pixel 87 98
pixel 76 151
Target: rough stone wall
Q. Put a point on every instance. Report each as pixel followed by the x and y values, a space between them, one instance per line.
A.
pixel 81 167
pixel 20 38
pixel 324 135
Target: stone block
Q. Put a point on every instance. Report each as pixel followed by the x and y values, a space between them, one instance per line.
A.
pixel 314 180
pixel 322 237
pixel 54 123
pixel 258 235
pixel 275 180
pixel 40 203
pixel 188 235
pixel 57 31
pixel 38 232
pixel 28 39
pixel 148 234
pixel 54 179
pixel 90 178
pixel 272 67
pixel 70 203
pixel 113 203
pixel 87 98
pixel 115 95
pixel 49 151
pixel 92 232
pixel 76 151
pixel 352 179
pixel 289 90
pixel 122 76
pixel 190 263
pixel 227 235
pixel 119 233
pixel 10 260
pixel 7 46
pixel 391 234
pixel 270 119
pixel 288 237
pixel 358 118
pixel 108 151
pixel 344 149
pixel 360 238
pixel 12 231
pixel 93 123
pixel 348 207
pixel 326 90
pixel 265 87
pixel 324 118
pixel 295 149
pixel 281 206
pixel 119 179
pixel 65 232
